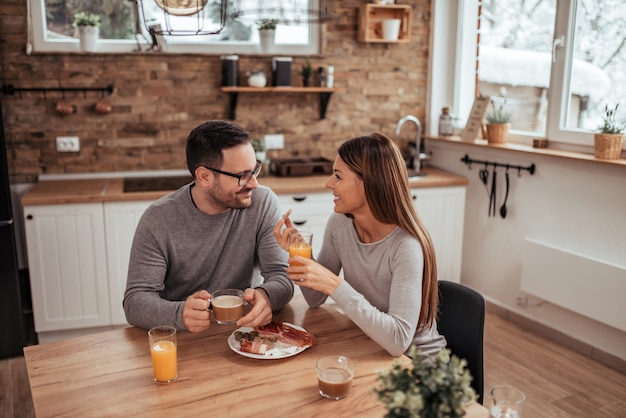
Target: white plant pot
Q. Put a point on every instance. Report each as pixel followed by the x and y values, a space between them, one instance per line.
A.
pixel 88 36
pixel 266 36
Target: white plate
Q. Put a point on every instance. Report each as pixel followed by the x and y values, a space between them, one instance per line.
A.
pixel 281 350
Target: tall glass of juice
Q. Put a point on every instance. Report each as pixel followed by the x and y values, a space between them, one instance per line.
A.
pixel 300 244
pixel 163 351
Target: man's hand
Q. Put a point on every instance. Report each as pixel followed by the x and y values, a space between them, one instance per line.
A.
pixel 195 311
pixel 261 312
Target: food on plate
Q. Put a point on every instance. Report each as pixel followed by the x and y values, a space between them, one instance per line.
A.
pixel 286 334
pixel 274 340
pixel 257 346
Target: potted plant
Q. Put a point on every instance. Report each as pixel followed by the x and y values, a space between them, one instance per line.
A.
pixel 307 73
pixel 430 388
pixel 498 123
pixel 88 26
pixel 267 28
pixel 259 148
pixel 609 141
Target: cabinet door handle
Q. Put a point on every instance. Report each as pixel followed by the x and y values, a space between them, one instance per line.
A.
pixel 299 223
pixel 29 217
pixel 414 196
pixel 299 198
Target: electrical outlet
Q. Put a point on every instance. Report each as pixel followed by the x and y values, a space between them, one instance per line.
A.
pixel 68 144
pixel 276 141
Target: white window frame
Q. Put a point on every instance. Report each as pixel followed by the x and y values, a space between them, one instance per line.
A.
pixel 452 72
pixel 39 40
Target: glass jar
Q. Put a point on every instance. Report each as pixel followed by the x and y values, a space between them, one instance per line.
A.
pixel 445 122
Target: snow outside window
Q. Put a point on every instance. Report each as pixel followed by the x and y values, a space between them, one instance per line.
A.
pixel 123 30
pixel 555 64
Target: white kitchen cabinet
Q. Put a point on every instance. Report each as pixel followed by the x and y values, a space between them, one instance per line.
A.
pixel 68 266
pixel 310 213
pixel 442 210
pixel 120 219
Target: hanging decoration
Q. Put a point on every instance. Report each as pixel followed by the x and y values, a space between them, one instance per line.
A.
pixel 165 18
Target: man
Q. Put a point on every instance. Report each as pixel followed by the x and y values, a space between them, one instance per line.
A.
pixel 214 233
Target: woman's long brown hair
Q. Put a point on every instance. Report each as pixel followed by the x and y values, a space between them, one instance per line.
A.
pixel 377 160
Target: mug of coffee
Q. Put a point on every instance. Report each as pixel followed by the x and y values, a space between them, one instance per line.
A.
pixel 334 376
pixel 227 305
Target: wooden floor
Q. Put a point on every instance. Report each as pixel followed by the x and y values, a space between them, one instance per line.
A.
pixel 558 382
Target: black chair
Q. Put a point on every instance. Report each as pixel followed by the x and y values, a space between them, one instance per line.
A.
pixel 462 321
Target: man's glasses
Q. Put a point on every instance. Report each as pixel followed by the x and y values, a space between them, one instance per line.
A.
pixel 243 178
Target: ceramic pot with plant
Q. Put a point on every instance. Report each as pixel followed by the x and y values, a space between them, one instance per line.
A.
pixel 498 124
pixel 307 73
pixel 88 26
pixel 609 141
pixel 267 28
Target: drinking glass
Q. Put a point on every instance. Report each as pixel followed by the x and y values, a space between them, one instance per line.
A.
pixel 334 376
pixel 508 402
pixel 163 351
pixel 227 305
pixel 300 243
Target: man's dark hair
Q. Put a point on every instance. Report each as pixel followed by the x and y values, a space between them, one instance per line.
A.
pixel 206 142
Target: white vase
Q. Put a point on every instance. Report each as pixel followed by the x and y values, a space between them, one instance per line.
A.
pixel 88 36
pixel 266 37
pixel 256 78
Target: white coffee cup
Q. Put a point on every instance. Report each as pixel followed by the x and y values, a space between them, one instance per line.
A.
pixel 391 29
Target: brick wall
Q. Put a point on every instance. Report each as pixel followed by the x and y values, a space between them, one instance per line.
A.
pixel 159 98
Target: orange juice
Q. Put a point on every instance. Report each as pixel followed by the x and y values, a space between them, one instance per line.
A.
pixel 300 248
pixel 164 361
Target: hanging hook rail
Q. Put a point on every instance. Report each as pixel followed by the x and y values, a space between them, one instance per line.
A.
pixel 9 89
pixel 469 161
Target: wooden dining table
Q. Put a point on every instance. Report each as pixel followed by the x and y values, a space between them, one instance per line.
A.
pixel 110 373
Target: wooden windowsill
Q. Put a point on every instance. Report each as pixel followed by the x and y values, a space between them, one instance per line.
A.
pixel 561 154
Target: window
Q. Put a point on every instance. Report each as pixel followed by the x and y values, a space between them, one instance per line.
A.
pixel 125 23
pixel 555 64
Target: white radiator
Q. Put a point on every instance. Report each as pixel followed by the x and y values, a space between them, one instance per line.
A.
pixel 588 286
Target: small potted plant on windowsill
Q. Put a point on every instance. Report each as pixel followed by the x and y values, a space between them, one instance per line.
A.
pixel 267 28
pixel 88 26
pixel 609 141
pixel 307 73
pixel 498 123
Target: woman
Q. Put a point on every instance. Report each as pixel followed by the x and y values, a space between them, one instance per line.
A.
pixel 389 287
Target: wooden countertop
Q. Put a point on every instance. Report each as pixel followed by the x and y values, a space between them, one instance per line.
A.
pixel 49 192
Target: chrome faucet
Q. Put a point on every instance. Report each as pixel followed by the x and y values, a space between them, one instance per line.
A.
pixel 416 149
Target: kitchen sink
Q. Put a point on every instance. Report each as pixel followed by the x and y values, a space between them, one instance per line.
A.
pixel 154 184
pixel 415 175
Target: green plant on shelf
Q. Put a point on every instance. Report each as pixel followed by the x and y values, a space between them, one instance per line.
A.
pixel 307 70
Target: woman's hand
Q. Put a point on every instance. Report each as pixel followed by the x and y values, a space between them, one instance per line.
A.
pixel 313 275
pixel 283 237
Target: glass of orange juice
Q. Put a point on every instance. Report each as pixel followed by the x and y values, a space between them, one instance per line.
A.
pixel 300 244
pixel 163 351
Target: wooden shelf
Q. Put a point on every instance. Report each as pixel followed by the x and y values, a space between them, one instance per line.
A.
pixel 324 92
pixel 372 15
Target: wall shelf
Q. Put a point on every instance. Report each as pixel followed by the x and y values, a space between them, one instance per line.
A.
pixel 371 17
pixel 233 93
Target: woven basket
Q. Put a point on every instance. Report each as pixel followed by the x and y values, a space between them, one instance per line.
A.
pixel 608 146
pixel 497 132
